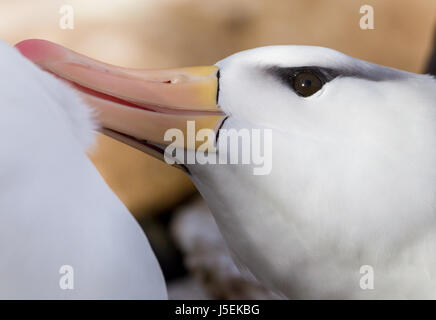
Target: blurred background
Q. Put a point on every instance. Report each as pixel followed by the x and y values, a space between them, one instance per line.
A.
pixel 171 33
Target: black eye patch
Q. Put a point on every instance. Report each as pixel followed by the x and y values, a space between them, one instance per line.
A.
pixel 305 81
pixel 297 77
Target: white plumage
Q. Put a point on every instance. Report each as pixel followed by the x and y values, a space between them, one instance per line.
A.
pixel 353 180
pixel 55 208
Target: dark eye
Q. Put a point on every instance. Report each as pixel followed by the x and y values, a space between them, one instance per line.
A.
pixel 306 83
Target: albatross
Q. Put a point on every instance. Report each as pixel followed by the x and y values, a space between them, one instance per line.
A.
pixel 353 180
pixel 63 233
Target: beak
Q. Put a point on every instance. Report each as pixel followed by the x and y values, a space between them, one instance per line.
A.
pixel 137 106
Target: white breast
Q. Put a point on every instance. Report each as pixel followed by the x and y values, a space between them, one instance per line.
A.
pixel 55 209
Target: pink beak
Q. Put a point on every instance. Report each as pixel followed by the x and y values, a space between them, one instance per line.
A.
pixel 135 105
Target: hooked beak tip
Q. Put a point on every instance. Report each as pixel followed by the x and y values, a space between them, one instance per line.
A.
pixel 40 51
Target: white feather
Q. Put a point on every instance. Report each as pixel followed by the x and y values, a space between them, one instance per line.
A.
pixel 55 208
pixel 353 179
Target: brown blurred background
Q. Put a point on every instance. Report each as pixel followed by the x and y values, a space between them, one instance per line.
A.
pixel 169 33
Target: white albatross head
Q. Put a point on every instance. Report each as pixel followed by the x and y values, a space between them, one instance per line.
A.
pixel 353 172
